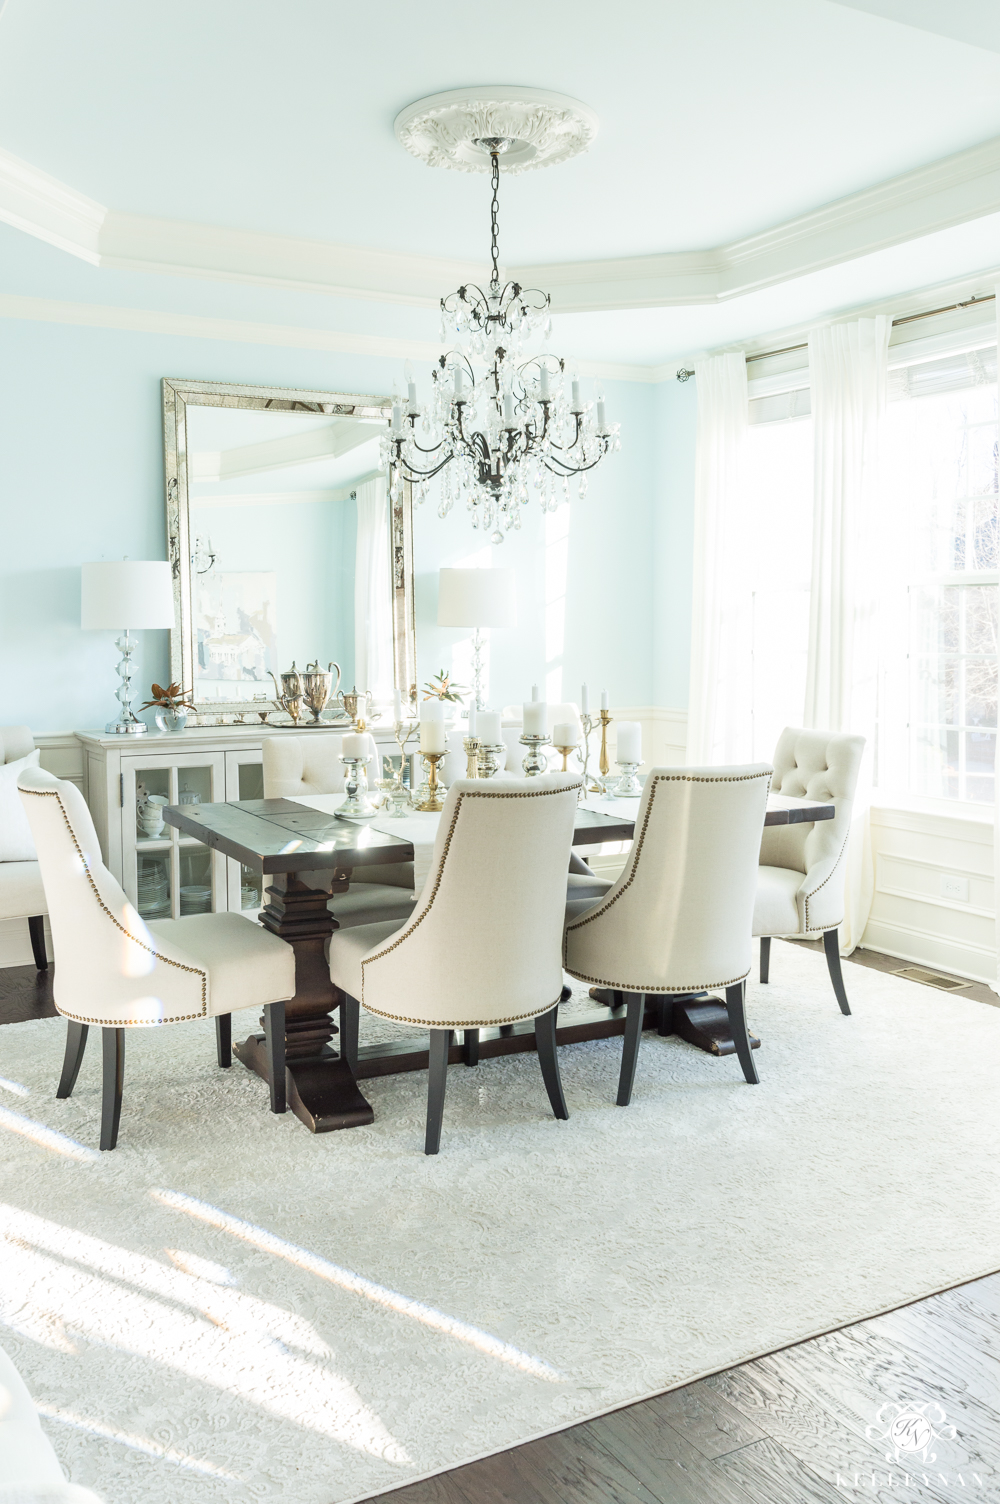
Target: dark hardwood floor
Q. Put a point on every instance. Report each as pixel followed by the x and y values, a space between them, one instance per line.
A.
pixel 800 1426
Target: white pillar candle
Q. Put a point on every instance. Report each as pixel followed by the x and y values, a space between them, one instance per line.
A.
pixel 584 700
pixel 534 691
pixel 431 710
pixel 629 747
pixel 397 705
pixel 604 700
pixel 355 744
pixel 489 727
pixel 432 736
pixel 536 714
pixel 566 734
pixel 472 718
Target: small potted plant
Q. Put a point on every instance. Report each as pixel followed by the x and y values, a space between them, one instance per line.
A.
pixel 442 688
pixel 170 706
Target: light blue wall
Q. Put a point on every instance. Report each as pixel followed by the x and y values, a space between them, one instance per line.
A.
pixel 674 421
pixel 81 478
pixel 595 626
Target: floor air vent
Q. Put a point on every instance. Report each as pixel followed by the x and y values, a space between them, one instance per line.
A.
pixel 931 978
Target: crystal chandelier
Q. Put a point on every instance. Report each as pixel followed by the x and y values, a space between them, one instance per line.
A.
pixel 513 432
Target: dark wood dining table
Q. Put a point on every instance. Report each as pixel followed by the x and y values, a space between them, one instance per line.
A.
pixel 282 839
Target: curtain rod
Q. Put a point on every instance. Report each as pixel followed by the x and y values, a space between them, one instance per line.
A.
pixel 910 318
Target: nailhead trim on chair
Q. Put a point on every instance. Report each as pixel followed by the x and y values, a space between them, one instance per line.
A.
pixel 636 853
pixel 479 1024
pixel 123 1023
pixel 824 928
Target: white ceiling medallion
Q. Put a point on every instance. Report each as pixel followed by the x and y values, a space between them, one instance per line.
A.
pixel 454 129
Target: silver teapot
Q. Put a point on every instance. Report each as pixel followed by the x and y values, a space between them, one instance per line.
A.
pixel 289 695
pixel 318 685
pixel 358 705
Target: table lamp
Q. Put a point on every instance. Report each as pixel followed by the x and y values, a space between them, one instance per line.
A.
pixel 478 598
pixel 132 594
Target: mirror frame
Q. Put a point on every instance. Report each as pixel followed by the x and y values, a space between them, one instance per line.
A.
pixel 178 396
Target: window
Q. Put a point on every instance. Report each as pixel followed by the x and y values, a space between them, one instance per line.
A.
pixel 938 569
pixel 938 686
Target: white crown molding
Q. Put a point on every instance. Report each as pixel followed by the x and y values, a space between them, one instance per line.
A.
pixel 50 210
pixel 950 192
pixel 195 326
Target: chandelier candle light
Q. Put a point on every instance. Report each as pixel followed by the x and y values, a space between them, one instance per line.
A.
pixel 511 431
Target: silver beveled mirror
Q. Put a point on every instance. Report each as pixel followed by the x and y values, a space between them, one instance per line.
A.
pixel 283 543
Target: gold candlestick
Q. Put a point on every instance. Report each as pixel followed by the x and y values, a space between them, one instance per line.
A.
pixel 565 751
pixel 432 804
pixel 599 786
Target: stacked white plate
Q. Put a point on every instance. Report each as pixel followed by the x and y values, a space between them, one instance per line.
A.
pixel 196 898
pixel 153 889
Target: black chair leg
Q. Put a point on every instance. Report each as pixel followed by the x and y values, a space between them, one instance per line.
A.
pixel 636 1003
pixel 666 1023
pixel 76 1043
pixel 548 1059
pixel 765 957
pixel 506 1030
pixel 735 999
pixel 350 1024
pixel 437 1080
pixel 36 933
pixel 470 1046
pixel 831 944
pixel 224 1039
pixel 274 1045
pixel 113 1041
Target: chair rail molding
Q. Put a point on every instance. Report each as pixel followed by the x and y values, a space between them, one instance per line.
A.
pixel 937 196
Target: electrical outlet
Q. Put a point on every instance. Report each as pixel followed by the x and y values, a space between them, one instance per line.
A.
pixel 955 888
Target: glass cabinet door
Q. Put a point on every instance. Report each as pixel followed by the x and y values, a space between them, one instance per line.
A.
pixel 244 780
pixel 166 874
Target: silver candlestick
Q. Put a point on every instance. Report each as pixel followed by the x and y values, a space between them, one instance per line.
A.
pixel 628 785
pixel 535 761
pixel 472 746
pixel 489 754
pixel 357 805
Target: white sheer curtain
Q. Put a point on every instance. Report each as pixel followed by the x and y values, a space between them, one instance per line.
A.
pixel 848 369
pixel 373 593
pixel 720 704
pixel 996 779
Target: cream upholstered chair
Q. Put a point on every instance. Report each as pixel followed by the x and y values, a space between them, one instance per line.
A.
pixel 115 970
pixel 21 893
pixel 678 920
pixel 482 946
pixel 295 766
pixel 800 884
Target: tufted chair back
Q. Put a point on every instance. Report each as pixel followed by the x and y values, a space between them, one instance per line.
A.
pixel 15 742
pixel 483 944
pixel 813 765
pixel 308 764
pixel 679 918
pixel 111 968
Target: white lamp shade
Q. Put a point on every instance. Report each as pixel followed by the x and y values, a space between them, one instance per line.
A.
pixel 476 598
pixel 129 593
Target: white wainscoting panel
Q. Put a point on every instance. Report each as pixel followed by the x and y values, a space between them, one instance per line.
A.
pixel 911 917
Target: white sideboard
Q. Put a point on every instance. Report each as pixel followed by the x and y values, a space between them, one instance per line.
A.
pixel 171 874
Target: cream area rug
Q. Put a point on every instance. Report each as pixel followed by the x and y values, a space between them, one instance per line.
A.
pixel 227 1308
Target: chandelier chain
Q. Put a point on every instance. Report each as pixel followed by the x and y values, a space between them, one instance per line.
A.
pixel 495 218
